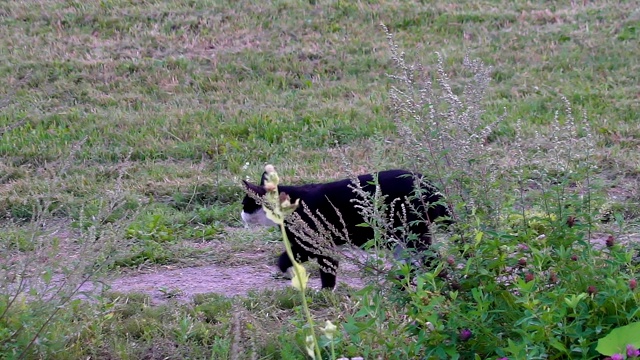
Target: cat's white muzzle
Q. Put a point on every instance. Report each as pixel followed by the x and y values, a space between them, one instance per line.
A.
pixel 257 218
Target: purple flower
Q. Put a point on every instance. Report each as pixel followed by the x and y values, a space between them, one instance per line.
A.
pixel 523 247
pixel 632 351
pixel 617 357
pixel 465 334
pixel 610 241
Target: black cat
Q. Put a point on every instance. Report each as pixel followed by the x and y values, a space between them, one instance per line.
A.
pixel 397 186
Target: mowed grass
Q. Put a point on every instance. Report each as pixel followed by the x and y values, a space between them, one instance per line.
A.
pixel 160 108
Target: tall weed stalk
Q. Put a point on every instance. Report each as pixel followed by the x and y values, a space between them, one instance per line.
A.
pixel 441 128
pixel 278 207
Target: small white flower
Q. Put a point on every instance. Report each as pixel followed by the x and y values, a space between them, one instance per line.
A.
pixel 310 344
pixel 329 329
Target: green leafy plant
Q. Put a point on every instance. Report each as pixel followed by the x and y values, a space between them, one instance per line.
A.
pixel 528 280
pixel 621 340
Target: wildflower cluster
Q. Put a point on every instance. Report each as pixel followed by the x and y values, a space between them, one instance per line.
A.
pixel 632 353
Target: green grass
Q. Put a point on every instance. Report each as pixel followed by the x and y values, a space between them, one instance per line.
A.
pixel 141 116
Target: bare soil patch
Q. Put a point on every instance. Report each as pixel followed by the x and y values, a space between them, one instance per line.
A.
pixel 231 269
pixel 167 282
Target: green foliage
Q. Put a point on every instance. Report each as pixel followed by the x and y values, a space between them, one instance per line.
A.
pixel 536 223
pixel 530 284
pixel 555 306
pixel 21 321
pixel 165 330
pixel 618 339
pixel 219 213
pixel 519 296
pixel 157 227
pixel 18 239
pixel 206 195
pixel 153 233
pixel 170 102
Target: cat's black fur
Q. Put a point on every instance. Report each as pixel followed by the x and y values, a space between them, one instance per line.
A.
pixel 394 184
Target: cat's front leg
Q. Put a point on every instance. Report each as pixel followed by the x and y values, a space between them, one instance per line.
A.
pixel 284 262
pixel 328 272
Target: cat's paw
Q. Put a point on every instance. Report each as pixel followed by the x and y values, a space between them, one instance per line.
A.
pixel 282 275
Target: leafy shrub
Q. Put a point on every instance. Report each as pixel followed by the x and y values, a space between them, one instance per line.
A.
pixel 522 276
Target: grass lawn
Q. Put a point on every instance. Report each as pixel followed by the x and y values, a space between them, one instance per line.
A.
pixel 133 123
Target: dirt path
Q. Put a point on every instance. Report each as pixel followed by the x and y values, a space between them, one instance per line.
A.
pixel 257 272
pixel 236 270
pixel 241 272
pixel 231 266
pixel 182 284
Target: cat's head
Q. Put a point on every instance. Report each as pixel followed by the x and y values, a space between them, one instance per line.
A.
pixel 252 211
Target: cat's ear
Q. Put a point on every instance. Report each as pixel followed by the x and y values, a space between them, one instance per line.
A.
pixel 263 180
pixel 256 189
